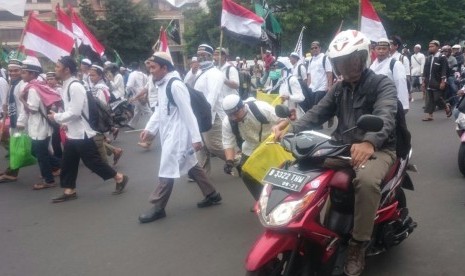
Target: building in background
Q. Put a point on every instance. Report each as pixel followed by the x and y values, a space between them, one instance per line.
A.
pixel 11 26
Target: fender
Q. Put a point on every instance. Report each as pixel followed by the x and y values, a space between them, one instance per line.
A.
pixel 268 246
pixel 407 182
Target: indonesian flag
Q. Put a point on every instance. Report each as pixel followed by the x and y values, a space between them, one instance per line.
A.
pixel 241 23
pixel 64 22
pixel 45 39
pixel 164 42
pixel 371 25
pixel 81 32
pixel 15 7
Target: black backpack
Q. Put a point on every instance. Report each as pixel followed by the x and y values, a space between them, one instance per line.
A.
pixel 245 82
pixel 199 104
pixel 100 118
pixel 307 103
pixel 403 136
pixel 260 117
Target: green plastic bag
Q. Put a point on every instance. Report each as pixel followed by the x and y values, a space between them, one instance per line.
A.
pixel 21 151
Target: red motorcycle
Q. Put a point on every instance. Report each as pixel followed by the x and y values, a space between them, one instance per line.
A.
pixel 307 210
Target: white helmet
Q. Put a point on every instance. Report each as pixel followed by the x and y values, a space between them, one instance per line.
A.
pixel 349 42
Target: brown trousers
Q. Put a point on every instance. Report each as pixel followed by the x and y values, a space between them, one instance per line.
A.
pixel 162 192
pixel 367 192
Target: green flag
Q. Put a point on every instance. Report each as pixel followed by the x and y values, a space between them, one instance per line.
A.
pixel 271 23
pixel 118 60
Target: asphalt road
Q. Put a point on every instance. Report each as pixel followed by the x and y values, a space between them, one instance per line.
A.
pixel 98 234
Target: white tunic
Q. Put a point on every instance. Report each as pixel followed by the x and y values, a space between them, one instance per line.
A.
pixel 210 83
pixel 295 96
pixel 178 130
pixel 38 127
pixel 404 61
pixel 418 63
pixel 397 75
pixel 232 75
pixel 249 129
pixel 118 86
pixel 317 72
pixel 190 77
pixel 75 105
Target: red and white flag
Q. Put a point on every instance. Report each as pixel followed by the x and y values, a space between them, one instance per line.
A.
pixel 64 22
pixel 370 24
pixel 45 39
pixel 82 33
pixel 164 42
pixel 241 23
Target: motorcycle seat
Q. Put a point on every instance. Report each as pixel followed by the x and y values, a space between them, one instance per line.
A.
pixel 342 179
pixel 392 171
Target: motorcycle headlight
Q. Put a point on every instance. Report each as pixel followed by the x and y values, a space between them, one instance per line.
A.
pixel 284 212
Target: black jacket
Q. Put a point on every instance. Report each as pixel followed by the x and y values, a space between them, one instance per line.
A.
pixel 434 74
pixel 352 105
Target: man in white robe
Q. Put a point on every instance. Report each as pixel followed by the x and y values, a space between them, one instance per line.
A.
pixel 180 139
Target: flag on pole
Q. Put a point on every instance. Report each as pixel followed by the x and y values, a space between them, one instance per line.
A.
pixel 298 46
pixel 15 7
pixel 81 31
pixel 45 39
pixel 163 46
pixel 241 23
pixel 370 24
pixel 64 22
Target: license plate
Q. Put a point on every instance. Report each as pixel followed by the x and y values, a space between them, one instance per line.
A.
pixel 286 179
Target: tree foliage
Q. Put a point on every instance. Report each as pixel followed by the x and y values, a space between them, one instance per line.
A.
pixel 126 27
pixel 416 21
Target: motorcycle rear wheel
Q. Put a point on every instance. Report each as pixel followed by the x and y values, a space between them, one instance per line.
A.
pixel 125 118
pixel 461 158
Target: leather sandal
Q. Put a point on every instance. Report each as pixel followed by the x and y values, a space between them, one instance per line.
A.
pixel 64 197
pixel 41 186
pixel 121 185
pixel 116 156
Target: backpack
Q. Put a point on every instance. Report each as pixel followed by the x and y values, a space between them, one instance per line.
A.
pixel 258 115
pixel 307 103
pixel 100 118
pixel 245 82
pixel 403 136
pixel 199 104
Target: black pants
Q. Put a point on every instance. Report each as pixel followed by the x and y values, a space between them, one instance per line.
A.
pixel 434 98
pixel 255 188
pixel 46 161
pixel 56 142
pixel 86 150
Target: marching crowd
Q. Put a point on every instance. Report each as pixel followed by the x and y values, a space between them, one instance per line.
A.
pixel 57 110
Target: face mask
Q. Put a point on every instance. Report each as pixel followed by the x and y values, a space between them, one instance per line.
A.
pixel 276 74
pixel 205 64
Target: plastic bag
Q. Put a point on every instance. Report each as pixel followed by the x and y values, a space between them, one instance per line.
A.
pixel 21 151
pixel 268 154
pixel 272 99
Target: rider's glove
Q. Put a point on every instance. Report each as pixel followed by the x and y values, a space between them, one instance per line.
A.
pixel 228 166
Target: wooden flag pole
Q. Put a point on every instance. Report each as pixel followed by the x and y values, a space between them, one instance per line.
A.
pixel 221 46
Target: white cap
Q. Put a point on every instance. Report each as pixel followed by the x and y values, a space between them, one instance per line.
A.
pixel 238 58
pixel 232 103
pixel 418 46
pixel 194 59
pixel 107 63
pixel 86 61
pixel 32 65
pixel 456 46
pixel 294 54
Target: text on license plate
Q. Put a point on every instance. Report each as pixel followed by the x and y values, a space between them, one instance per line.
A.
pixel 286 179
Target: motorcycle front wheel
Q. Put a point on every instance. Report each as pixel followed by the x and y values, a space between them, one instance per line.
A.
pixel 278 266
pixel 461 158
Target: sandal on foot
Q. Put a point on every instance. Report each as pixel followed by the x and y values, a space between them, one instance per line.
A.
pixel 145 145
pixel 121 185
pixel 41 186
pixel 64 197
pixel 116 156
pixel 448 110
pixel 7 178
pixel 427 119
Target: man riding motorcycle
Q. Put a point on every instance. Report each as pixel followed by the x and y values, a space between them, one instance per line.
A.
pixel 372 152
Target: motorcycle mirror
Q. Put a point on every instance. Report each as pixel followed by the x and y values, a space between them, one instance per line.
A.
pixel 282 111
pixel 370 123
